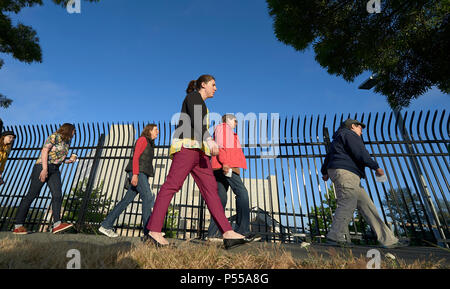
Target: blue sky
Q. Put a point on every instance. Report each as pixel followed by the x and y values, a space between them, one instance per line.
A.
pixel 132 60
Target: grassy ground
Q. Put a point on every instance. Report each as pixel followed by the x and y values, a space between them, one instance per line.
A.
pixel 26 254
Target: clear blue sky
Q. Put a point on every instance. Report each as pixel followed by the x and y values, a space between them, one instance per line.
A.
pixel 132 60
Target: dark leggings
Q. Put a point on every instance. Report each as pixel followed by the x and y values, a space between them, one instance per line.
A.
pixel 54 183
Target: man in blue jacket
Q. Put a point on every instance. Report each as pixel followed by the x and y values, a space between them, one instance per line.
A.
pixel 344 164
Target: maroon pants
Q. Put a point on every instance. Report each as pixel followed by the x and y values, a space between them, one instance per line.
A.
pixel 187 161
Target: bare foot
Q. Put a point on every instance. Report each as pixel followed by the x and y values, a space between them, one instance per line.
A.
pixel 159 238
pixel 232 235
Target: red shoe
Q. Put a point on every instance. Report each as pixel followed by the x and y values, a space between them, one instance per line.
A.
pixel 20 231
pixel 61 227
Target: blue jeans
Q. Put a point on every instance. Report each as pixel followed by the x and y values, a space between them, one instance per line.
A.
pixel 146 195
pixel 54 183
pixel 242 203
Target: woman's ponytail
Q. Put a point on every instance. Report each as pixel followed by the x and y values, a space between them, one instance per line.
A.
pixel 192 86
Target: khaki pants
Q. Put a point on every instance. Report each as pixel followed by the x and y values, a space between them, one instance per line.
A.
pixel 351 195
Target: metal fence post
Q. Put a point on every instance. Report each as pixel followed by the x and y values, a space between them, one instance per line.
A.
pixel 90 184
pixel 326 139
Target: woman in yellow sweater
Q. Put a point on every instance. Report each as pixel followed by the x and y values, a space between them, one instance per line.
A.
pixel 6 141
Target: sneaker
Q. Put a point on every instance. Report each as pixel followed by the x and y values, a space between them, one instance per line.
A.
pixel 20 231
pixel 332 242
pixel 108 232
pixel 62 227
pixel 399 244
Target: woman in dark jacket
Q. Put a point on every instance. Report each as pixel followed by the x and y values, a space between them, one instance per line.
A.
pixel 139 169
pixel 190 150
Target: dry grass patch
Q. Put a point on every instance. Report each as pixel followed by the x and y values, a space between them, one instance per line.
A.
pixel 347 260
pixel 20 254
pixel 210 256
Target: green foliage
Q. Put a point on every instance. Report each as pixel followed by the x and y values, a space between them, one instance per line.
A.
pixel 171 222
pixel 406 44
pixel 97 201
pixel 19 40
pixel 324 218
pixel 4 101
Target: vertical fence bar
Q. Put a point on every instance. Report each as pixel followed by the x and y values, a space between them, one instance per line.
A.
pixel 302 215
pixel 90 184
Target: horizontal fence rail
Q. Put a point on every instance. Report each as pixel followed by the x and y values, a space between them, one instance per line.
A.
pixel 288 198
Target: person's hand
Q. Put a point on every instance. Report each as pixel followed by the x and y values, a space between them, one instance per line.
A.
pixel 213 147
pixel 325 178
pixel 43 176
pixel 379 172
pixel 72 159
pixel 134 180
pixel 225 169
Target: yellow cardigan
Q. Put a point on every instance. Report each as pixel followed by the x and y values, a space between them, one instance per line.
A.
pixel 3 157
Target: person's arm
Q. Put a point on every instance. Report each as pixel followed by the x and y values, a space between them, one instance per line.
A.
pixel 323 169
pixel 221 136
pixel 51 141
pixel 2 166
pixel 141 144
pixel 359 152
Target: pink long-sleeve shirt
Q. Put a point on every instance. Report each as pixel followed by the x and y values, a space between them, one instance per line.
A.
pixel 230 150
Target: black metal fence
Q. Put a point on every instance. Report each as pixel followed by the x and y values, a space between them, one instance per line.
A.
pixel 288 197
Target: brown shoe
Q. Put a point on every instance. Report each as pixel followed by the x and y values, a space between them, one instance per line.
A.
pixel 20 231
